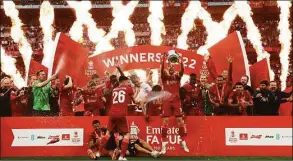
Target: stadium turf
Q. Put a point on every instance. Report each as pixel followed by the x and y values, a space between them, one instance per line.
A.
pixel 150 158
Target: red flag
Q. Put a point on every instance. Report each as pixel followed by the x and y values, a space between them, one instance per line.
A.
pixel 259 71
pixel 70 59
pixel 35 66
pixel 232 45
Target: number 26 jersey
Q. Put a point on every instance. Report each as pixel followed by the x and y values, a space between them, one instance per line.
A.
pixel 121 97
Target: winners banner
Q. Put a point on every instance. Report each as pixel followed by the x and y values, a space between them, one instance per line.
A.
pixel 69 136
pixel 140 57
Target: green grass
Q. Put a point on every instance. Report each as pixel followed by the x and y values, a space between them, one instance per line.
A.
pixel 149 158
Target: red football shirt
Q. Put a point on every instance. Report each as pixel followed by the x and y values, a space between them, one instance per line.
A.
pixel 172 84
pixel 192 94
pixel 154 107
pixel 90 100
pixel 121 97
pixel 66 97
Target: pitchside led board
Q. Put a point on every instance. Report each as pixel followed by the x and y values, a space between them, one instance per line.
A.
pixel 206 136
pixel 72 59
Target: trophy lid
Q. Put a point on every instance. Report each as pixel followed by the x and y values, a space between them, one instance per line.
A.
pixel 172 52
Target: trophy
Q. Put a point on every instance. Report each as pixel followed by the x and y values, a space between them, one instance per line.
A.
pixel 173 56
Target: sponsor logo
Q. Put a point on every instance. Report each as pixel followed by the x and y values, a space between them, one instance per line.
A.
pixel 243 136
pixel 53 137
pixel 33 137
pixel 65 136
pixel 255 136
pixel 232 138
pixel 22 137
pixel 286 137
pixel 53 141
pixel 75 138
pixel 41 137
pixel 278 136
pixel 269 137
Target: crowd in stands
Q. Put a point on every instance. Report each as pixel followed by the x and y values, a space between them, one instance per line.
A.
pixel 196 38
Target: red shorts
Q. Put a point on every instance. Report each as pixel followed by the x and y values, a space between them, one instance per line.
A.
pixel 119 125
pixel 195 111
pixel 172 108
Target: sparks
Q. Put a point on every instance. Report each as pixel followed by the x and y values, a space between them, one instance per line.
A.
pixel 84 17
pixel 155 20
pixel 187 23
pixel 121 22
pixel 46 21
pixel 285 40
pixel 216 31
pixel 9 68
pixel 18 35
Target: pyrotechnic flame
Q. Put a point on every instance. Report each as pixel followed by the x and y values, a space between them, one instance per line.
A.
pixel 84 17
pixel 18 35
pixel 121 22
pixel 216 31
pixel 46 21
pixel 285 39
pixel 253 34
pixel 155 20
pixel 9 68
pixel 187 23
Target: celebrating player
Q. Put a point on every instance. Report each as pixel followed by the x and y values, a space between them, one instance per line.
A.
pixel 191 96
pixel 239 100
pixel 153 103
pixel 95 141
pixel 171 84
pixel 121 97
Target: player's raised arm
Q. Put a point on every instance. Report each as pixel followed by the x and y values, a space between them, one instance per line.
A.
pixel 230 60
pixel 118 68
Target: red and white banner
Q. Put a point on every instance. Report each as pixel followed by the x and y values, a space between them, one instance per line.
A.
pixel 258 72
pixel 233 46
pixel 205 135
pixel 70 59
pixel 140 57
pixel 35 66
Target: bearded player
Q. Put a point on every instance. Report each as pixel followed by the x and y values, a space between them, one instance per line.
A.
pixel 172 104
pixel 239 100
pixel 191 97
pixel 121 97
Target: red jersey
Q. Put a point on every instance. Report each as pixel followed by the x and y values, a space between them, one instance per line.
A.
pixel 66 98
pixel 171 84
pixel 96 135
pixel 90 100
pixel 100 95
pixel 220 95
pixel 121 97
pixel 154 107
pixel 193 94
pixel 18 104
pixel 236 98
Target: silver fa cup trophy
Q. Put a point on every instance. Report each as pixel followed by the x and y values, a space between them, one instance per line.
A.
pixel 173 56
